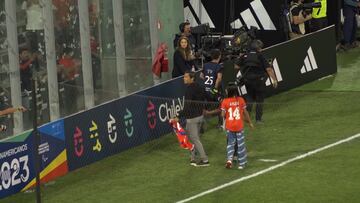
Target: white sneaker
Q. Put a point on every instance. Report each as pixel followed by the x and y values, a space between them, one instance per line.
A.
pixel 241 167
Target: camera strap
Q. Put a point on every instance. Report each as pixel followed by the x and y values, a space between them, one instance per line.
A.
pixel 290 13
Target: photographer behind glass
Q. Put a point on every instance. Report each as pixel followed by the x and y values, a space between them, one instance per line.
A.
pixel 298 17
pixel 255 71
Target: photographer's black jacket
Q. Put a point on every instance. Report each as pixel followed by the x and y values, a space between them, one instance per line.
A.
pixel 253 64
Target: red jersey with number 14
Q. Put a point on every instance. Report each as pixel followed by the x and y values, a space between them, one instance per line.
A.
pixel 234 108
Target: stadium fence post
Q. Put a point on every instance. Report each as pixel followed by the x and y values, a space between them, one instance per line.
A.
pixel 36 141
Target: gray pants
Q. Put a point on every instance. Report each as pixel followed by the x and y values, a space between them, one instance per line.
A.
pixel 193 128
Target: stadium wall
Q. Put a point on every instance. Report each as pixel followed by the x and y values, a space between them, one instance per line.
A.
pixel 89 136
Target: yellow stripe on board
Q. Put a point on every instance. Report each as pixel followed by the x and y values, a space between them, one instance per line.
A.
pixel 53 165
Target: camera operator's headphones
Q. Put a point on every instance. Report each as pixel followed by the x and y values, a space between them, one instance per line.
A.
pixel 256 44
pixel 182 26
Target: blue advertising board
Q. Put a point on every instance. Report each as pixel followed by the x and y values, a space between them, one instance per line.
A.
pixel 17 171
pixel 122 124
pixel 16 165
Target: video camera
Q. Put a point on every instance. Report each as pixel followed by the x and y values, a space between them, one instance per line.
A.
pixel 202 29
pixel 307 7
pixel 229 45
pixel 242 39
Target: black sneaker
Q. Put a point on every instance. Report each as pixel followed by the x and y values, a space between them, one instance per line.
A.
pixel 345 47
pixel 203 163
pixel 259 122
pixel 193 163
pixel 202 130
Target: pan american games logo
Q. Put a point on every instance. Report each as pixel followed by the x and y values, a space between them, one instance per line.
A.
pixel 166 110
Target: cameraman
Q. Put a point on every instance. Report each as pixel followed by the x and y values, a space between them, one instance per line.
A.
pixel 255 72
pixel 185 30
pixel 298 17
pixel 319 16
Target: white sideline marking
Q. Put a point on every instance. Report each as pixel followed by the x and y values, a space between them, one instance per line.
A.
pixel 270 168
pixel 268 160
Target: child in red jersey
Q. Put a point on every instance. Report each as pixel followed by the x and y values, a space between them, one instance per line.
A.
pixel 233 109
